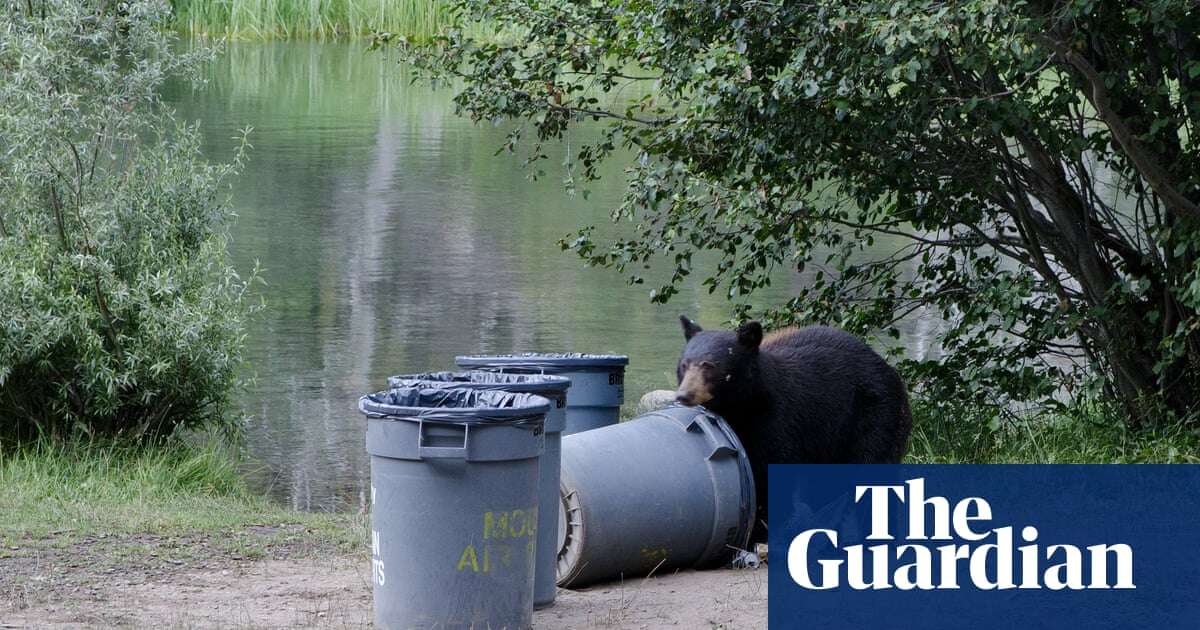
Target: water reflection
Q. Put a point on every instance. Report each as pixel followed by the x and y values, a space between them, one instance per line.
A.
pixel 391 239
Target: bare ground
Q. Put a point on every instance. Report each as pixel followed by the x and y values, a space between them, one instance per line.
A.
pixel 275 577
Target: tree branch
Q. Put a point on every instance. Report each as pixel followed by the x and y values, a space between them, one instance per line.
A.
pixel 1159 179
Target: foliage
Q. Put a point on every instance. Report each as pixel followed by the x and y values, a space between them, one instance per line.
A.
pixel 1087 433
pixel 121 315
pixel 1037 155
pixel 417 19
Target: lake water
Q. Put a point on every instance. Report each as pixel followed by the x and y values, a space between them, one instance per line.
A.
pixel 391 239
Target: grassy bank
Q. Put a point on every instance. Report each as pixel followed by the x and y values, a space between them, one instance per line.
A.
pixel 270 19
pixel 1089 435
pixel 72 492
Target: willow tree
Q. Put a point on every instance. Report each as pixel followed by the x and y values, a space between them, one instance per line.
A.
pixel 1038 159
pixel 120 314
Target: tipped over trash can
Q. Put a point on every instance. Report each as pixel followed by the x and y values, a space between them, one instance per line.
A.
pixel 597 381
pixel 554 389
pixel 669 489
pixel 454 514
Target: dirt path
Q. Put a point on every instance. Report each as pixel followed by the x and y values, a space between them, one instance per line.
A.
pixel 198 582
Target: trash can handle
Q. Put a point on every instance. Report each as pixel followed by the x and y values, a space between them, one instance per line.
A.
pixel 541 370
pixel 435 452
pixel 719 445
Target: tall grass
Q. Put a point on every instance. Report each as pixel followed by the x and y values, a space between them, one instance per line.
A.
pixel 270 19
pixel 1087 434
pixel 80 489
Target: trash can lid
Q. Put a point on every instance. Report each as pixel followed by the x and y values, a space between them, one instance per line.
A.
pixel 550 361
pixel 478 379
pixel 458 406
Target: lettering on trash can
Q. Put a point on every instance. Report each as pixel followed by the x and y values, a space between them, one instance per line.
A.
pixel 656 555
pixel 504 533
pixel 377 573
pixel 617 380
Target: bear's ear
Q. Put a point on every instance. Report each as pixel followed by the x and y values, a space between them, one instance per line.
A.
pixel 750 334
pixel 690 328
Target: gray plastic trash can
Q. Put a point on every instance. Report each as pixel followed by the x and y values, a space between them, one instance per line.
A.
pixel 453 506
pixel 666 490
pixel 597 382
pixel 553 388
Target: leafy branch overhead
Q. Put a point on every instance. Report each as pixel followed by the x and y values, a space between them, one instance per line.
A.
pixel 1027 168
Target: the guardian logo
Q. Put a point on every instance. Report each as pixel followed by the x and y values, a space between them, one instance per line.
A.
pixel 974 554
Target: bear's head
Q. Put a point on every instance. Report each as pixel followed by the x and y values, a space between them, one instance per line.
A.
pixel 717 367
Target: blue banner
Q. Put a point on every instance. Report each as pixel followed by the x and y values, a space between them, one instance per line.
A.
pixel 984 546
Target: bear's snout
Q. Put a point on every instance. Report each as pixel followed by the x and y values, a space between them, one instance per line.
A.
pixel 693 389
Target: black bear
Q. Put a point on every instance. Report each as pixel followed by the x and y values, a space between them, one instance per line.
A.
pixel 812 395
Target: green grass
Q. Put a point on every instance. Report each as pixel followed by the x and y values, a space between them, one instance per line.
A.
pixel 69 492
pixel 74 491
pixel 1087 435
pixel 269 19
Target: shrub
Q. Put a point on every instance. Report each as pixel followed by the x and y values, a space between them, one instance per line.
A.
pixel 119 313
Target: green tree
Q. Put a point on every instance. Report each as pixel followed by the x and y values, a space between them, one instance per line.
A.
pixel 119 314
pixel 1038 156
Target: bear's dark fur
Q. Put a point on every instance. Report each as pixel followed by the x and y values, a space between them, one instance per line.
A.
pixel 811 395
